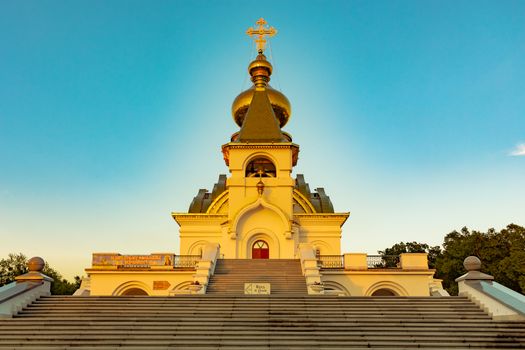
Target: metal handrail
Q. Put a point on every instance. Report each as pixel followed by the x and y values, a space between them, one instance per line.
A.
pixel 382 261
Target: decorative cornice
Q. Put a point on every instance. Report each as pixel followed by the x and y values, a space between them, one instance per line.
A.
pixel 198 217
pixel 249 145
pixel 339 218
pixel 381 272
pixel 323 215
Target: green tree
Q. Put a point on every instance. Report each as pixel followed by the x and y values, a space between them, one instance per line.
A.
pixel 502 255
pixel 411 247
pixel 511 269
pixel 16 265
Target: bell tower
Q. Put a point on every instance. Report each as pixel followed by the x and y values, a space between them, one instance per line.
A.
pixel 259 211
pixel 260 157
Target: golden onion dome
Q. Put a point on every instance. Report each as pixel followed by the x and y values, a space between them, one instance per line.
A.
pixel 260 63
pixel 280 105
pixel 260 70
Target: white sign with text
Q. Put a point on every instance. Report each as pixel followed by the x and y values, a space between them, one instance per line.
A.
pixel 257 288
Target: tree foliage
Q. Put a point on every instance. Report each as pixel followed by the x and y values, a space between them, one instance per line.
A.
pixel 502 255
pixel 412 247
pixel 16 265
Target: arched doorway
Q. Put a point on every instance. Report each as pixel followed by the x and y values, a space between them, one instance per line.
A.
pixel 383 292
pixel 260 250
pixel 134 291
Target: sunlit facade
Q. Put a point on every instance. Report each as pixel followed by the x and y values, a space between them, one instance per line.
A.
pixel 261 211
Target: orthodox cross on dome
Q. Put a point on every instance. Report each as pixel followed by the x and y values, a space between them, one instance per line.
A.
pixel 260 33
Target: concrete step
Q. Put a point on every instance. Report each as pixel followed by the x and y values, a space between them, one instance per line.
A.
pixel 317 343
pixel 253 336
pixel 284 275
pixel 257 322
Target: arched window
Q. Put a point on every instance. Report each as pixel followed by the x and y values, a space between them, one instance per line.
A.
pixel 383 292
pixel 262 166
pixel 334 288
pixel 260 250
pixel 135 291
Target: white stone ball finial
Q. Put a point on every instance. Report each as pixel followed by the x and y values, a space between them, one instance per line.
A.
pixel 472 263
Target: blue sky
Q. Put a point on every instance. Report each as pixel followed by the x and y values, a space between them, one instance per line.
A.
pixel 112 114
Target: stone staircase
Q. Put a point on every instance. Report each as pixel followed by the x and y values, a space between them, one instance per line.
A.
pixel 256 322
pixel 284 275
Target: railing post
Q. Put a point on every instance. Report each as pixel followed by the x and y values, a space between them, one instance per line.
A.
pixel 414 261
pixel 205 268
pixel 502 303
pixel 27 288
pixel 355 261
pixel 310 269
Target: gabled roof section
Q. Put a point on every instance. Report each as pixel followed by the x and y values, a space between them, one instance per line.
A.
pixel 260 123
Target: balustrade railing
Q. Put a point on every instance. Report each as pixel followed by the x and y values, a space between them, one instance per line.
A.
pixel 157 260
pixel 382 261
pixel 331 261
pixel 188 261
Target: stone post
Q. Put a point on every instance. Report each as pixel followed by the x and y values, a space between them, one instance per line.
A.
pixel 35 266
pixel 473 266
pixel 310 269
pixel 355 261
pixel 413 261
pixel 502 303
pixel 205 268
pixel 26 289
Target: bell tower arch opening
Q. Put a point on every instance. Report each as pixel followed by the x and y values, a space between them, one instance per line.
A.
pixel 260 166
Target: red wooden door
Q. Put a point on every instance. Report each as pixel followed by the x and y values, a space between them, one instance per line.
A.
pixel 260 250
